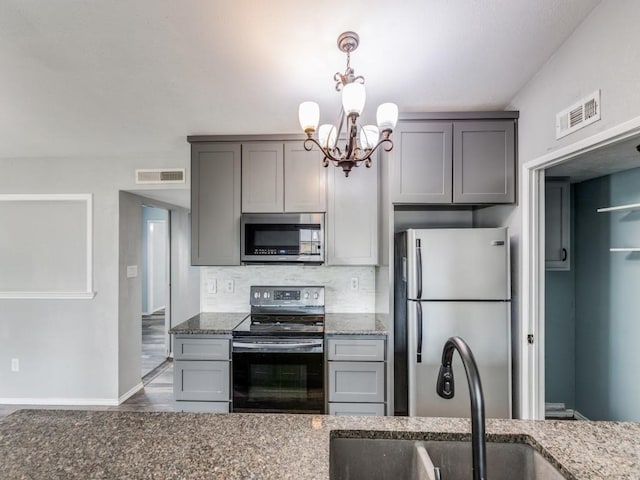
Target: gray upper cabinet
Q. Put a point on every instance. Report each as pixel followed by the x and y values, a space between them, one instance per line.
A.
pixel 262 177
pixel 282 177
pixel 305 179
pixel 352 216
pixel 421 163
pixel 215 203
pixel 453 161
pixel 557 203
pixel 484 162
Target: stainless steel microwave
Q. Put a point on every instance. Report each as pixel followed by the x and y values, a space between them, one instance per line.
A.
pixel 282 237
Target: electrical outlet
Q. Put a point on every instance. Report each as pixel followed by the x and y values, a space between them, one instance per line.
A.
pixel 229 286
pixel 15 365
pixel 355 283
pixel 212 286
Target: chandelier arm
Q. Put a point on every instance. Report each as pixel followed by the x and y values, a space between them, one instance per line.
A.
pixel 327 152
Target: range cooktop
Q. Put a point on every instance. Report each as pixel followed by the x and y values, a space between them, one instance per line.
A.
pixel 284 311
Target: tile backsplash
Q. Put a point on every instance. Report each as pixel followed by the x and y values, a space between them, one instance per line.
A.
pixel 339 295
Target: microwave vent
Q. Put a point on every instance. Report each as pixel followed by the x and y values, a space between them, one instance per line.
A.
pixel 160 176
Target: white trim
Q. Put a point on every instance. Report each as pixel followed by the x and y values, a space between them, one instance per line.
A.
pixel 59 197
pixel 124 397
pixel 60 401
pixel 48 295
pixel 532 275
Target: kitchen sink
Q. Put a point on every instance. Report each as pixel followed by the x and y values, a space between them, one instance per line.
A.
pixel 371 459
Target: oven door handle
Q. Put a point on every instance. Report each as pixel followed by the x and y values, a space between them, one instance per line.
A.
pixel 276 346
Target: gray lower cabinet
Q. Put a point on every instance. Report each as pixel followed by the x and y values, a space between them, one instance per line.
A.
pixel 356 375
pixel 202 373
pixel 453 162
pixel 352 216
pixel 215 203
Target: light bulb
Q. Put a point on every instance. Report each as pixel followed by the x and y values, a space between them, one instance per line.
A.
pixel 353 98
pixel 309 116
pixel 327 135
pixel 387 116
pixel 369 136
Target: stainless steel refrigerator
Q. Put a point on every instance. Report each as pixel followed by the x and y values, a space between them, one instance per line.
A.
pixel 451 282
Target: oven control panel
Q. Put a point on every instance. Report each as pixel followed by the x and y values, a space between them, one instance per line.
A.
pixel 287 296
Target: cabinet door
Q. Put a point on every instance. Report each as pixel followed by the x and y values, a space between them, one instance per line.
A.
pixel 201 380
pixel 305 179
pixel 421 163
pixel 262 177
pixel 484 161
pixel 352 218
pixel 557 218
pixel 356 382
pixel 215 204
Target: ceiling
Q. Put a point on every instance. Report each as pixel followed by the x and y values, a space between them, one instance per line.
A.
pixel 602 161
pixel 135 77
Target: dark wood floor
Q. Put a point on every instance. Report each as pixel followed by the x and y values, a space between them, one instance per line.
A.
pixel 153 341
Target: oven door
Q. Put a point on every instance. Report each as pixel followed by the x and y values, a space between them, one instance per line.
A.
pixel 278 375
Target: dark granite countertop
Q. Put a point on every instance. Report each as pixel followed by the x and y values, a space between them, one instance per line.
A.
pixel 59 444
pixel 210 323
pixel 356 323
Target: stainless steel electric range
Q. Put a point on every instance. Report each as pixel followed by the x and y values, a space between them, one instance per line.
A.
pixel 278 352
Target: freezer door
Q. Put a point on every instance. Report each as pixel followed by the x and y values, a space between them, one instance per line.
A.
pixel 458 264
pixel 485 326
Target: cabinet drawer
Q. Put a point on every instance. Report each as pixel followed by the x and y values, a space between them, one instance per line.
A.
pixel 204 407
pixel 356 382
pixel 356 350
pixel 186 348
pixel 201 380
pixel 358 409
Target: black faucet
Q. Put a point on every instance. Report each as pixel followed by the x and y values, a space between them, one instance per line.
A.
pixel 445 388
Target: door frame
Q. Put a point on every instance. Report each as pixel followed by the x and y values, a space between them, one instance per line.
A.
pixel 531 356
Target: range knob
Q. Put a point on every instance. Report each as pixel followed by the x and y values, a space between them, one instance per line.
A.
pixel 256 294
pixel 315 295
pixel 265 295
pixel 306 295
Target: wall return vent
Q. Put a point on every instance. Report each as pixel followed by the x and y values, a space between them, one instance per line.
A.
pixel 578 115
pixel 160 176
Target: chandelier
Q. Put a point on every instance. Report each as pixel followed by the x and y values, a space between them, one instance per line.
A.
pixel 358 148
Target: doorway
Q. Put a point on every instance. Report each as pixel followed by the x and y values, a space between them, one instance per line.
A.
pixel 156 270
pixel 531 347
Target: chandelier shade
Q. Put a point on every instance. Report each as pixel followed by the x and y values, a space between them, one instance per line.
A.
pixel 361 141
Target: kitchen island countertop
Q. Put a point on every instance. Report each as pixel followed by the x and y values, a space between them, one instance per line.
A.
pixel 210 323
pixel 65 444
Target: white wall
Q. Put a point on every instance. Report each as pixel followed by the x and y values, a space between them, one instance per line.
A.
pixel 68 349
pixel 338 294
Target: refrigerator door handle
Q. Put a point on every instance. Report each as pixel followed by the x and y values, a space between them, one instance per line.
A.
pixel 419 348
pixel 419 268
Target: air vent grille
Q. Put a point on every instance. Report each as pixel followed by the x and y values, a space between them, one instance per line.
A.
pixel 160 176
pixel 579 115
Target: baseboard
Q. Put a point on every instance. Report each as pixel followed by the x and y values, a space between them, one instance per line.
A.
pixel 130 393
pixel 108 402
pixel 578 416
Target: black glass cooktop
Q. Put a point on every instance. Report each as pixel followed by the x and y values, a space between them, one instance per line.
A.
pixel 279 324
